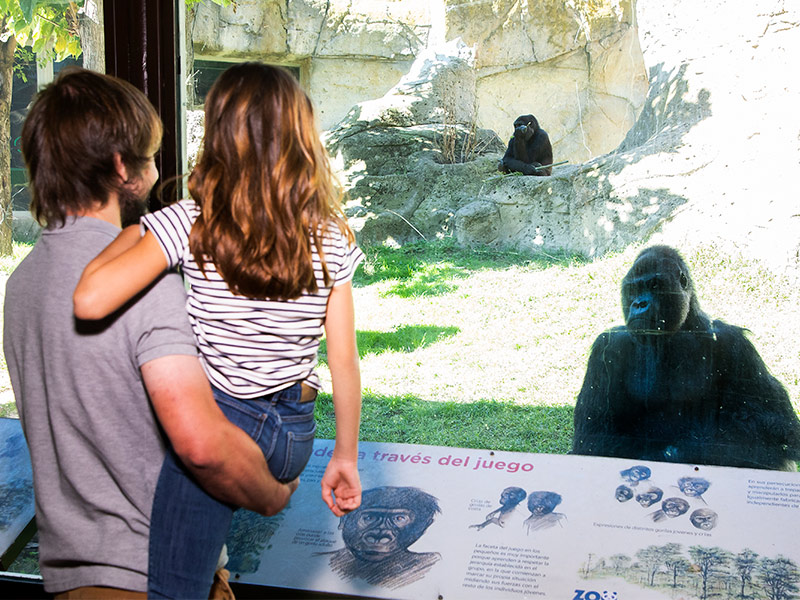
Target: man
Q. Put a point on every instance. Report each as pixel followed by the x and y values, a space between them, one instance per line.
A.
pixel 82 387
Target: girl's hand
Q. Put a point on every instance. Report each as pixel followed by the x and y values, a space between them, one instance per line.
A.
pixel 341 486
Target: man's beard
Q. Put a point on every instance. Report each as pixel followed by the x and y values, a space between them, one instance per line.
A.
pixel 131 209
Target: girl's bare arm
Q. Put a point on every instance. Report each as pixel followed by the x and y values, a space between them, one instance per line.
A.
pixel 127 266
pixel 341 485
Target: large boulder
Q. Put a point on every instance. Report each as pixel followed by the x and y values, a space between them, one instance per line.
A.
pixel 710 158
pixel 576 65
pixel 396 154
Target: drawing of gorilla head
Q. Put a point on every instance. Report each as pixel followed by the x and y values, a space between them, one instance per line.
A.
pixel 388 521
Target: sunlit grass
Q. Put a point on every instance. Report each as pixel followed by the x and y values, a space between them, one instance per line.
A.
pixel 487 349
pixel 519 330
pixel 9 263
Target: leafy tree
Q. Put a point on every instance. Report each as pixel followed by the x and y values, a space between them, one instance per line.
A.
pixel 711 563
pixel 50 28
pixel 780 577
pixel 674 561
pixel 651 558
pixel 744 563
pixel 53 30
pixel 619 562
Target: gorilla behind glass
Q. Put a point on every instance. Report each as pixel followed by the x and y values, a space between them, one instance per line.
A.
pixel 529 148
pixel 674 385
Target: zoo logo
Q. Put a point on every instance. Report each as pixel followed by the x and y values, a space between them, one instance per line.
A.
pixel 584 595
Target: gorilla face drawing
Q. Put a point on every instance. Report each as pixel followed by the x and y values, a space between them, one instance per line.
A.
pixel 704 518
pixel 388 521
pixel 379 532
pixel 694 487
pixel 674 507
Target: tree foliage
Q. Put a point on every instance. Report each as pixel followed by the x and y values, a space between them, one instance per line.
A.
pixel 49 27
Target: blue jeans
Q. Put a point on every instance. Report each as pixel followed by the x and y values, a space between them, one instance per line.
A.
pixel 188 527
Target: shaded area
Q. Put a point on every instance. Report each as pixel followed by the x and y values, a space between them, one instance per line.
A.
pixel 666 111
pixel 487 424
pixel 403 339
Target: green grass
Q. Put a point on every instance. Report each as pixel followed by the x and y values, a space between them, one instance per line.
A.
pixel 483 424
pixel 433 269
pixel 9 263
pixel 487 349
pixel 479 348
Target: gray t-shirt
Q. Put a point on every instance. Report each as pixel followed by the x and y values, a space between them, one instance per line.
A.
pixel 95 445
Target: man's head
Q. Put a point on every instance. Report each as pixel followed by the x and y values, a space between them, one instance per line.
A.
pixel 89 136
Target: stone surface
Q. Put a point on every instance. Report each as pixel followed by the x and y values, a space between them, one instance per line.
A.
pixel 577 66
pixel 389 151
pixel 709 158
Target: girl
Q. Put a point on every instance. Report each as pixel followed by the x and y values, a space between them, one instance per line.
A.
pixel 268 259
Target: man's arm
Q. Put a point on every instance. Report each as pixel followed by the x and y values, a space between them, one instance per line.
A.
pixel 225 460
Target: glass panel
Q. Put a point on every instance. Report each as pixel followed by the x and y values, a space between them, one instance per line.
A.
pixel 37 46
pixel 485 287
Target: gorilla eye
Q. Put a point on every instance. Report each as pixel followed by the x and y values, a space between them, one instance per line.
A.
pixel 684 281
pixel 401 520
pixel 369 518
pixel 654 284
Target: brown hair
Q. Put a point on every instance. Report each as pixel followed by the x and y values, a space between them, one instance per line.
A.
pixel 264 185
pixel 74 127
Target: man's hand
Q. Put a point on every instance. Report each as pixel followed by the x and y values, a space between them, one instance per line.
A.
pixel 341 486
pixel 225 460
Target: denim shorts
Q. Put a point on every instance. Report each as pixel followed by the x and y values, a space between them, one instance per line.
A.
pixel 281 425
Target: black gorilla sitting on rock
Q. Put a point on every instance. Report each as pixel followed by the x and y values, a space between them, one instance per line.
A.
pixel 674 385
pixel 529 148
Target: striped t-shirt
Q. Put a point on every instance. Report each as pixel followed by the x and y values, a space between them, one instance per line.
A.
pixel 250 347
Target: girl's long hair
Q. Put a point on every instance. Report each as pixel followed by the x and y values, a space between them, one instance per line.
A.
pixel 264 185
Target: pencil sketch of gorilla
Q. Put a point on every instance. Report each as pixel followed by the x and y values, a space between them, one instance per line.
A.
pixel 635 474
pixel 542 505
pixel 650 497
pixel 704 518
pixel 623 493
pixel 693 487
pixel 509 500
pixel 670 508
pixel 378 533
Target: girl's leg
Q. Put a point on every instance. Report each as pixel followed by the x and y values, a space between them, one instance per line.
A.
pixel 281 424
pixel 188 528
pixel 295 436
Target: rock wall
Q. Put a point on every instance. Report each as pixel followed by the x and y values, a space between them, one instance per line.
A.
pixel 712 157
pixel 576 65
pixel 391 151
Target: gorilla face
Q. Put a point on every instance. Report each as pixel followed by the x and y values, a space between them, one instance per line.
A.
pixel 388 521
pixel 623 493
pixel 542 503
pixel 656 293
pixel 694 487
pixel 649 497
pixel 379 532
pixel 635 474
pixel 674 507
pixel 512 496
pixel 525 127
pixel 704 518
